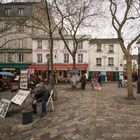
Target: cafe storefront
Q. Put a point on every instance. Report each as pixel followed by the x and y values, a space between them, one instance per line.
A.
pixel 15 59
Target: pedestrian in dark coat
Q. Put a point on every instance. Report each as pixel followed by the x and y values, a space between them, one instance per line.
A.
pixel 99 79
pixel 83 81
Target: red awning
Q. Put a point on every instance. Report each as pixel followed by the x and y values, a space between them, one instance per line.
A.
pixel 60 67
pixel 69 67
pixel 38 67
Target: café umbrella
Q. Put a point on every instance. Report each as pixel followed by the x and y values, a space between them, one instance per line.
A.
pixel 6 73
pixel 74 72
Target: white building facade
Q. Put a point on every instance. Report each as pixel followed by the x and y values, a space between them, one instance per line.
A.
pixel 61 57
pixel 106 57
pixel 93 56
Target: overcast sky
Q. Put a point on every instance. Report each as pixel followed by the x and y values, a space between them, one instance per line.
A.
pixel 104 29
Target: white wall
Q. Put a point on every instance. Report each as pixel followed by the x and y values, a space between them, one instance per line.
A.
pixel 104 54
pixel 59 51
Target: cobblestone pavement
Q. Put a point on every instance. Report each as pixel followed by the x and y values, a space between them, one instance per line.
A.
pixel 80 115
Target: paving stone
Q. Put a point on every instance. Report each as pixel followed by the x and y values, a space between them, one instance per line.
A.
pixel 81 115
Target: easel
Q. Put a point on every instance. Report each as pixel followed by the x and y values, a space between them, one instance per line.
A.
pixel 50 100
pixel 18 100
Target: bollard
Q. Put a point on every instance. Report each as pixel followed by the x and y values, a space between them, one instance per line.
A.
pixel 27 116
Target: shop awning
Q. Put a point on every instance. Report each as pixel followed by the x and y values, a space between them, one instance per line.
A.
pixel 59 67
pixel 14 65
pixel 68 67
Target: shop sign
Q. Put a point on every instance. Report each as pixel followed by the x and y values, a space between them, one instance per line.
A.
pixel 15 50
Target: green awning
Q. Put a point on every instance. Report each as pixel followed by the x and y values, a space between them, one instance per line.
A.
pixel 14 65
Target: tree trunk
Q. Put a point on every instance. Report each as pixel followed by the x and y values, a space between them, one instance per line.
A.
pixel 74 62
pixel 129 78
pixel 51 54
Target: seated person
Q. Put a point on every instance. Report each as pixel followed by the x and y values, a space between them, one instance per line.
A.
pixel 41 95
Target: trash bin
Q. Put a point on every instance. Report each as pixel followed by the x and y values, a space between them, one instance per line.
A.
pixel 27 116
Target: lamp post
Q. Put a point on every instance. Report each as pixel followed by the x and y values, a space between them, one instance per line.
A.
pixel 48 65
pixel 138 83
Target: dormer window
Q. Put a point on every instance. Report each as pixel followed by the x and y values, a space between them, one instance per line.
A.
pixel 7 11
pixel 21 12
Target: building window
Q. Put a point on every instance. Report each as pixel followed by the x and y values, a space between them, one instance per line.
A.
pixel 98 61
pixel 39 42
pixel 20 28
pixel 21 12
pixel 80 58
pixel 7 11
pixel 9 59
pixel 20 57
pixel 98 47
pixel 111 61
pixel 80 45
pixel 111 48
pixel 20 43
pixel 7 42
pixel 67 42
pixel 39 58
pixel 66 58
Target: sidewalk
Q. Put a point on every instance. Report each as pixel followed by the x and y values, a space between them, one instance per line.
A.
pixel 81 115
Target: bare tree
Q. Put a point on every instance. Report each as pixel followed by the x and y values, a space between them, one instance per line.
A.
pixel 126 21
pixel 42 20
pixel 74 15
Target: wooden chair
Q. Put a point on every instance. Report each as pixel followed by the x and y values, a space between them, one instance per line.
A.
pixel 50 100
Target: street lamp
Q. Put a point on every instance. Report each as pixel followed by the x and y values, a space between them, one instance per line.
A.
pixel 48 65
pixel 138 83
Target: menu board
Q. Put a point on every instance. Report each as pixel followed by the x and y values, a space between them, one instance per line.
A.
pixel 4 106
pixel 20 97
pixel 24 79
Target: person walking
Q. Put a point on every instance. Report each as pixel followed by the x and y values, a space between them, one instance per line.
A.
pixel 94 81
pixel 83 81
pixel 99 79
pixel 120 81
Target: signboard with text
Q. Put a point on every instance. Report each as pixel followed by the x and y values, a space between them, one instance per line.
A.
pixel 4 106
pixel 20 97
pixel 24 79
